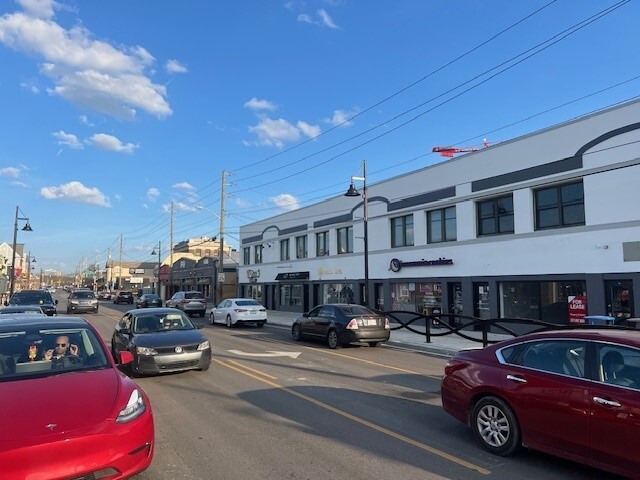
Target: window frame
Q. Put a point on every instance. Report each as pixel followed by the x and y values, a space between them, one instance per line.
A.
pixel 496 215
pixel 405 228
pixel 246 255
pixel 560 206
pixel 345 239
pixel 285 254
pixel 443 224
pixel 301 247
pixel 257 254
pixel 322 252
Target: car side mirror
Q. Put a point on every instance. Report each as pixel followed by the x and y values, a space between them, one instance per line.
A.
pixel 199 326
pixel 55 301
pixel 305 314
pixel 125 331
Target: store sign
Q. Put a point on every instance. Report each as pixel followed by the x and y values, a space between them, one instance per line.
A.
pixel 577 308
pixel 136 280
pixel 395 265
pixel 252 275
pixel 293 276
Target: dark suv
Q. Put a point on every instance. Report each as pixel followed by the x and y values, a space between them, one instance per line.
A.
pixel 42 298
pixel 123 296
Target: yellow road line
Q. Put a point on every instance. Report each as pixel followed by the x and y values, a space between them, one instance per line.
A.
pixel 459 461
pixel 252 369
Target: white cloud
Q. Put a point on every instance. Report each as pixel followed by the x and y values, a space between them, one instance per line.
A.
pixel 85 71
pixel 325 19
pixel 174 66
pixel 19 184
pixel 39 8
pixel 286 202
pixel 68 140
pixel 153 194
pixel 186 186
pixel 304 18
pixel 109 142
pixel 85 121
pixel 257 104
pixel 341 118
pixel 308 130
pixel 75 192
pixel 10 172
pixel 32 88
pixel 179 207
pixel 275 133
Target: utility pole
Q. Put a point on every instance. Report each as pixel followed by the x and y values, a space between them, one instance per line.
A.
pixel 171 292
pixel 220 278
pixel 120 266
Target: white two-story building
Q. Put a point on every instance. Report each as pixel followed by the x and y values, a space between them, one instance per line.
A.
pixel 545 226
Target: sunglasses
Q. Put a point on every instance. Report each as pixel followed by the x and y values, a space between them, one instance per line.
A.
pixel 61 344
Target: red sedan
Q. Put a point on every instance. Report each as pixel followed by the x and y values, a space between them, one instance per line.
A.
pixel 571 393
pixel 68 412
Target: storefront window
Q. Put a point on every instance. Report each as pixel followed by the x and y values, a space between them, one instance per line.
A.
pixel 291 295
pixel 255 292
pixel 425 298
pixel 546 301
pixel 481 300
pixel 337 293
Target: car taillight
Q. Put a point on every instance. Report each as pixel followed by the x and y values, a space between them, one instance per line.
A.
pixel 386 324
pixel 454 365
pixel 352 325
pixel 240 310
pixel 184 301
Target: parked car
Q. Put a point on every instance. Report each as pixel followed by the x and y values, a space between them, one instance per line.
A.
pixel 82 301
pixel 161 340
pixel 341 324
pixel 190 302
pixel 148 300
pixel 56 406
pixel 236 311
pixel 104 295
pixel 20 309
pixel 572 393
pixel 123 296
pixel 42 298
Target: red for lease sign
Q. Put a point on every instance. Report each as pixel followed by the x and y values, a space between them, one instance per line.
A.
pixel 577 308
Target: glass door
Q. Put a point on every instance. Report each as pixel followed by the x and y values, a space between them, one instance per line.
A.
pixel 619 297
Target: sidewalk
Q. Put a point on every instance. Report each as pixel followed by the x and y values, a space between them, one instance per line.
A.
pixel 446 345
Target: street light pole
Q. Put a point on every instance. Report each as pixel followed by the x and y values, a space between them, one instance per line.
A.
pixel 26 228
pixel 159 265
pixel 353 192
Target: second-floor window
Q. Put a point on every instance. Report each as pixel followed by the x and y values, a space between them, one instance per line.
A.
pixel 301 247
pixel 402 231
pixel 495 216
pixel 257 254
pixel 284 249
pixel 560 206
pixel 246 254
pixel 345 240
pixel 441 225
pixel 322 244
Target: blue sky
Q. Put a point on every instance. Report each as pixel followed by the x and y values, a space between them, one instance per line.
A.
pixel 113 110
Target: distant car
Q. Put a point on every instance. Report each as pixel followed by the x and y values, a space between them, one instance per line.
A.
pixel 161 340
pixel 236 311
pixel 190 302
pixel 21 309
pixel 148 300
pixel 41 298
pixel 58 406
pixel 123 296
pixel 341 324
pixel 82 301
pixel 104 295
pixel 572 393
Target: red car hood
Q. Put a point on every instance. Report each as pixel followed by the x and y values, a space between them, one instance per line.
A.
pixel 58 405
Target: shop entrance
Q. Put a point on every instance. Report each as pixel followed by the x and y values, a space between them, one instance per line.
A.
pixel 619 298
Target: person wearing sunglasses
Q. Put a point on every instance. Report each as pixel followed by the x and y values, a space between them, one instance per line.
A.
pixel 63 349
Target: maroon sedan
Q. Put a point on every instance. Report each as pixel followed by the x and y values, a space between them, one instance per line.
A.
pixel 67 411
pixel 571 393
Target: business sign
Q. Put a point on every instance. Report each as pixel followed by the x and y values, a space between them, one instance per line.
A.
pixel 395 265
pixel 293 276
pixel 577 308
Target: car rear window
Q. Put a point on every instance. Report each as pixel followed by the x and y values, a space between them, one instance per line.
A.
pixel 246 303
pixel 194 295
pixel 84 295
pixel 357 310
pixel 31 298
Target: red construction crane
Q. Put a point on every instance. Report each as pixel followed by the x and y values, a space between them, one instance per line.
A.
pixel 451 151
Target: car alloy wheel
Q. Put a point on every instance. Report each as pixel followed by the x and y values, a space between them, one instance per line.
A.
pixel 495 426
pixel 296 332
pixel 332 339
pixel 229 324
pixel 211 319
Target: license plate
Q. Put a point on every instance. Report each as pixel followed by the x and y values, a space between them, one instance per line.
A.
pixel 253 312
pixel 371 322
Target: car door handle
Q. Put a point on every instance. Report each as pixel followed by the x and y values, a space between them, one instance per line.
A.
pixel 515 378
pixel 607 403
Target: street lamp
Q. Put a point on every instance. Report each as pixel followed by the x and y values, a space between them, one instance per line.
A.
pixel 26 228
pixel 159 261
pixel 353 192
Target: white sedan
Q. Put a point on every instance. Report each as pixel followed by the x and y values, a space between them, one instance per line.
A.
pixel 235 311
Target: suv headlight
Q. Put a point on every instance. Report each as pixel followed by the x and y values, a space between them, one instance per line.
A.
pixel 204 345
pixel 146 351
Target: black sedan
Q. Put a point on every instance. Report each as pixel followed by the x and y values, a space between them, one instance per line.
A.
pixel 162 340
pixel 148 300
pixel 341 324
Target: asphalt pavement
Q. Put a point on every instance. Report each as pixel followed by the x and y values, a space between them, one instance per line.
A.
pixel 446 345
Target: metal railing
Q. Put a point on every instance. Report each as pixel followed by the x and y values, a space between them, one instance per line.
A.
pixel 485 331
